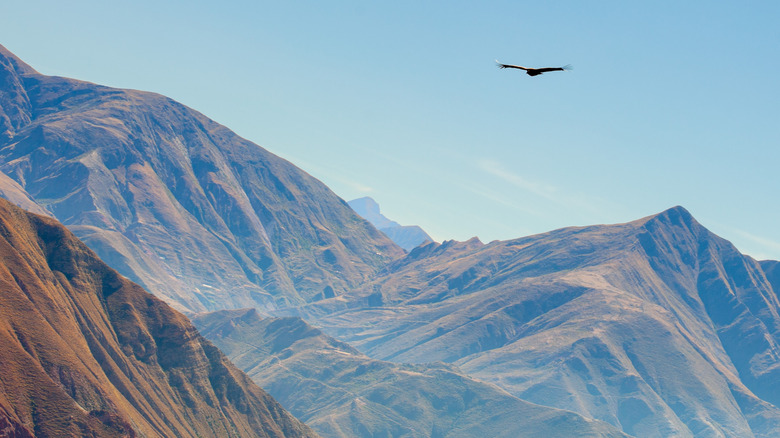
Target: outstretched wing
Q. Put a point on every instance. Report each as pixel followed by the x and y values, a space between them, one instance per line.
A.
pixel 500 65
pixel 546 69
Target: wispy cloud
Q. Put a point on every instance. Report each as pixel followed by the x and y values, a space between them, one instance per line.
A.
pixel 499 199
pixel 362 188
pixel 769 246
pixel 591 206
pixel 328 174
pixel 335 176
pixel 763 241
pixel 538 188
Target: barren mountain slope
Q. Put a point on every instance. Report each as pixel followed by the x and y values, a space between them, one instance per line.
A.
pixel 175 201
pixel 656 326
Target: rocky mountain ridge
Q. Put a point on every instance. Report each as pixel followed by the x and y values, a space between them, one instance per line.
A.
pixel 656 326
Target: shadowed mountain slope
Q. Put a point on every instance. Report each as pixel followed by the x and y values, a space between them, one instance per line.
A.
pixel 85 352
pixel 156 189
pixel 656 326
pixel 340 392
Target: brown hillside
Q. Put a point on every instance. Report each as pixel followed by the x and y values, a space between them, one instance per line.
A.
pixel 86 352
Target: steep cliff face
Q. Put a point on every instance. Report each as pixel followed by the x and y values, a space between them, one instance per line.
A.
pixel 175 201
pixel 85 352
pixel 340 392
pixel 656 326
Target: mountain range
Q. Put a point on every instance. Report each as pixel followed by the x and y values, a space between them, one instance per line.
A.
pixel 655 327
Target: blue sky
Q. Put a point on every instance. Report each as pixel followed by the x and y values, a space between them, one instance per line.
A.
pixel 669 103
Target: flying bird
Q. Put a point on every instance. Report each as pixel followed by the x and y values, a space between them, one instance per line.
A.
pixel 534 71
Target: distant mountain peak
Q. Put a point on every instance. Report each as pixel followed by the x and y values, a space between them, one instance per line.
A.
pixel 369 210
pixel 366 203
pixel 675 221
pixel 676 214
pixel 407 237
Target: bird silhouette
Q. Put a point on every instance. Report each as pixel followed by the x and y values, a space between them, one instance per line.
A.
pixel 534 71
